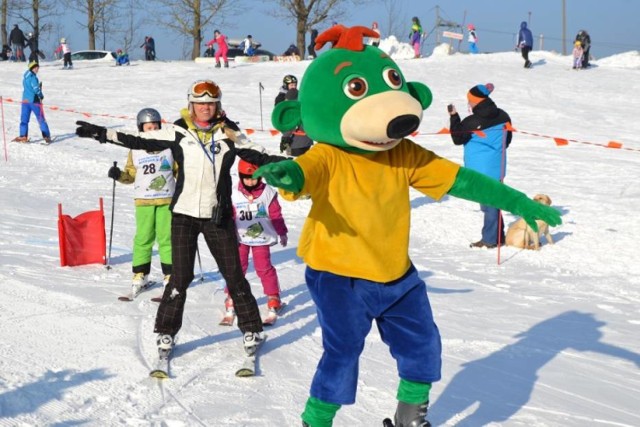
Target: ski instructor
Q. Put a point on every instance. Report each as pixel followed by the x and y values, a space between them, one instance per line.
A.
pixel 204 142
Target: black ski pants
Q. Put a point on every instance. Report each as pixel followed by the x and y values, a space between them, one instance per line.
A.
pixel 222 241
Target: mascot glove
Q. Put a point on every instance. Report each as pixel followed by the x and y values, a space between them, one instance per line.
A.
pixel 88 130
pixel 114 173
pixel 286 174
pixel 474 186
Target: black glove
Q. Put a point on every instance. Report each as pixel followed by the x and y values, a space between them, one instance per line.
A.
pixel 114 173
pixel 87 130
pixel 285 142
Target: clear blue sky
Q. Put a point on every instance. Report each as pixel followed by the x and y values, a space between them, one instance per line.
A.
pixel 612 24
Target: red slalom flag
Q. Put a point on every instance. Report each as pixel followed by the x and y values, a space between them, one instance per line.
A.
pixel 82 239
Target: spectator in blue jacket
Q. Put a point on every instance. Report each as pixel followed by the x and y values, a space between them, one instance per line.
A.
pixel 525 43
pixel 32 102
pixel 484 152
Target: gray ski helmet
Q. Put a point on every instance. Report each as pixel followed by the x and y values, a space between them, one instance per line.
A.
pixel 148 115
pixel 289 78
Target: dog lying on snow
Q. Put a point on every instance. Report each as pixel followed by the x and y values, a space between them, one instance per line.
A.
pixel 520 235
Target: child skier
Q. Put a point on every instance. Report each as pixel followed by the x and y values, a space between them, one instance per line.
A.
pixel 221 39
pixel 578 55
pixel 472 39
pixel 260 224
pixel 66 52
pixel 153 176
pixel 415 36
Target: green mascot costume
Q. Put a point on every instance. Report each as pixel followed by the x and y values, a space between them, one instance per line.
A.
pixel 355 102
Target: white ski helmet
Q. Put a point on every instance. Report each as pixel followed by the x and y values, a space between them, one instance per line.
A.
pixel 63 40
pixel 148 115
pixel 202 91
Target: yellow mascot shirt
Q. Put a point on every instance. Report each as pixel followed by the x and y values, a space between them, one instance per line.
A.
pixel 359 221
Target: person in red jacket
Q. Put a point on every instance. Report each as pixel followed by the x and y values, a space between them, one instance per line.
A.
pixel 221 39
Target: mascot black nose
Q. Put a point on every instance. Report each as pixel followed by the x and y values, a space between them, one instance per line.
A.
pixel 402 126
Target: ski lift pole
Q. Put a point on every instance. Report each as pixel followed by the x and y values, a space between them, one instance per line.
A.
pixel 503 167
pixel 260 89
pixel 113 208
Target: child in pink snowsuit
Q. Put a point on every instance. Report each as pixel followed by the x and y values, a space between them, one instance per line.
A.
pixel 260 225
pixel 221 39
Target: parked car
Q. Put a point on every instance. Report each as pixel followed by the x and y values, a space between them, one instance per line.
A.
pixel 93 55
pixel 233 52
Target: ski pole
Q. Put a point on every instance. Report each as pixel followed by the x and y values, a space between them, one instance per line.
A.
pixel 260 89
pixel 200 264
pixel 113 208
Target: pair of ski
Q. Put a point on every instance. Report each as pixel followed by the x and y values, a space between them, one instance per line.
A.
pixel 247 369
pixel 269 320
pixel 40 141
pixel 131 297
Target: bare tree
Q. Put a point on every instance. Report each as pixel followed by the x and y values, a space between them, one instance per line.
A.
pixel 99 17
pixel 395 20
pixel 3 20
pixel 35 14
pixel 190 17
pixel 308 13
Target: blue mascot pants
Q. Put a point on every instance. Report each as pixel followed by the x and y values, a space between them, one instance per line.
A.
pixel 346 308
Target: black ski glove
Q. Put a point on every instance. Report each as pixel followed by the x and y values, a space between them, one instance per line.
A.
pixel 88 130
pixel 114 173
pixel 285 142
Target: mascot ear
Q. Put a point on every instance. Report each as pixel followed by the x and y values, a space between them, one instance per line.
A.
pixel 420 92
pixel 286 115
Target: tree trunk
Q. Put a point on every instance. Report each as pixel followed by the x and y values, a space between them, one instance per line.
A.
pixel 91 24
pixel 301 32
pixel 3 21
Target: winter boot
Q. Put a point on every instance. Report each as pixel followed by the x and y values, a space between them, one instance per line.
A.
pixel 226 64
pixel 21 139
pixel 410 415
pixel 165 345
pixel 139 282
pixel 217 64
pixel 274 304
pixel 251 342
pixel 47 140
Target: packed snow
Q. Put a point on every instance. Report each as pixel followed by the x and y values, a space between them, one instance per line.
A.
pixel 532 338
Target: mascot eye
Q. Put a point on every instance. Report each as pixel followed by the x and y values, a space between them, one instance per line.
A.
pixel 356 88
pixel 392 78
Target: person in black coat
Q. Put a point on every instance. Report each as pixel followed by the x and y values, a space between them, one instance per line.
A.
pixel 312 44
pixel 585 40
pixel 17 41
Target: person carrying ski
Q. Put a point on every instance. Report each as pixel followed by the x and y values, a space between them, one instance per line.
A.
pixel 152 174
pixel 32 102
pixel 260 225
pixel 204 142
pixel 66 52
pixel 585 41
pixel 247 46
pixel 18 43
pixel 525 43
pixel 223 48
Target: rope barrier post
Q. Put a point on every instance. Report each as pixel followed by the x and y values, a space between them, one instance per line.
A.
pixel 502 173
pixel 4 132
pixel 260 89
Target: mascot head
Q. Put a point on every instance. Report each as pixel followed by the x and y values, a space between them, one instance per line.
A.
pixel 354 96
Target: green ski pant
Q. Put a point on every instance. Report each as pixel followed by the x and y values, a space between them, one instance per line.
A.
pixel 153 223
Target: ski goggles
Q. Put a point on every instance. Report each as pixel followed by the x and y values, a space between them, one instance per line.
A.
pixel 204 91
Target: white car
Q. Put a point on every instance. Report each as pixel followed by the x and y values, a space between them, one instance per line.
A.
pixel 93 55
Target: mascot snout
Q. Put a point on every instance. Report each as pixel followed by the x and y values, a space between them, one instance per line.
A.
pixel 403 126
